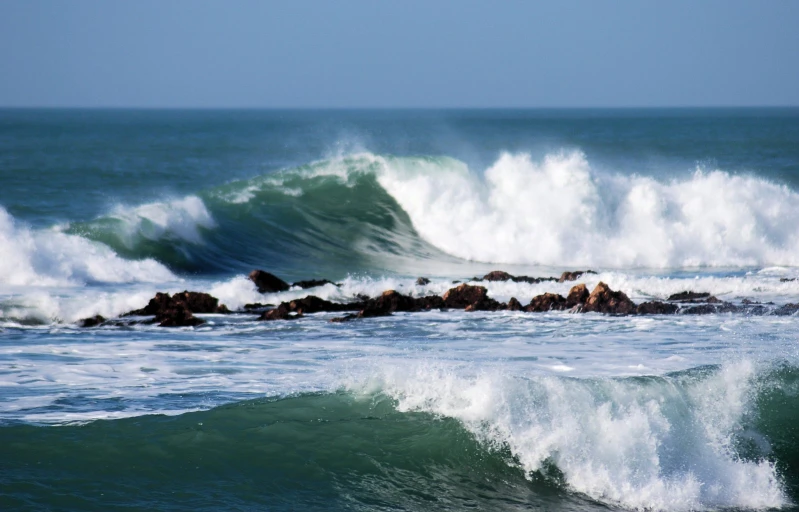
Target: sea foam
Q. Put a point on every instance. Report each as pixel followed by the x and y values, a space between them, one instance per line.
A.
pixel 52 258
pixel 654 444
pixel 560 211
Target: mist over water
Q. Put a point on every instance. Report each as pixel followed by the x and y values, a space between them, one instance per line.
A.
pixel 443 409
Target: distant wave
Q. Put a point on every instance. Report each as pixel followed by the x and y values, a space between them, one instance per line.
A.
pixel 367 211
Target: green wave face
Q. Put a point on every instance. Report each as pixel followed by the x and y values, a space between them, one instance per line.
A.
pixel 310 452
pixel 345 451
pixel 328 217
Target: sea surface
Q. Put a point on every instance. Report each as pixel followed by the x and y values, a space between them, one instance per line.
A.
pixel 439 410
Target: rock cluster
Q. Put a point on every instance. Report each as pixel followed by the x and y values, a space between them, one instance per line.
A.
pixel 179 308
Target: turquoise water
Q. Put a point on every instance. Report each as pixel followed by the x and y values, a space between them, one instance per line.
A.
pixel 417 411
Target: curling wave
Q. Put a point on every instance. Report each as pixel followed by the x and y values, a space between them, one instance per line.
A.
pixel 700 439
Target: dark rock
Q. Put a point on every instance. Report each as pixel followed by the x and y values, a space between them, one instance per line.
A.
pixel 467 296
pixel 313 304
pixel 431 302
pixel 656 308
pixel 787 279
pixel 267 283
pixel 605 300
pixel 342 319
pixel 161 302
pixel 256 306
pixel 179 315
pixel 497 275
pixel 311 283
pixel 709 309
pixel 573 276
pixel 422 281
pixel 281 312
pixel 577 295
pixel 513 305
pixel 748 301
pixel 786 310
pixel 93 321
pixel 389 302
pixel 198 302
pixel 194 302
pixel 688 296
pixel 546 302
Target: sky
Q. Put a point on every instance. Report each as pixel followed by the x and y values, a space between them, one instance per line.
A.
pixel 398 54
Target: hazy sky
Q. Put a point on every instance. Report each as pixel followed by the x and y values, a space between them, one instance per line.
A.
pixel 432 53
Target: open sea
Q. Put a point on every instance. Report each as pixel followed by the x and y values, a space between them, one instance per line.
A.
pixel 436 410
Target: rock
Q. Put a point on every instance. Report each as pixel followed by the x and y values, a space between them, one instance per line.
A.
pixel 389 302
pixel 257 306
pixel 514 305
pixel 281 312
pixel 709 309
pixel 178 315
pixel 467 295
pixel 577 295
pixel 787 279
pixel 656 308
pixel 311 283
pixel 93 321
pixel 342 319
pixel 198 302
pixel 422 281
pixel 267 283
pixel 573 276
pixel 313 304
pixel 688 296
pixel 431 302
pixel 786 310
pixel 194 302
pixel 497 275
pixel 605 300
pixel 546 302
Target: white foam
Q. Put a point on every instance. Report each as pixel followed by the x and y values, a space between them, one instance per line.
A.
pixel 665 445
pixel 52 258
pixel 561 212
pixel 176 219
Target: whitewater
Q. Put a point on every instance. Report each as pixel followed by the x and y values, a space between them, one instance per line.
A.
pixel 441 409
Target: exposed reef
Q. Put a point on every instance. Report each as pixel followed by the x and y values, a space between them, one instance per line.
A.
pixel 178 310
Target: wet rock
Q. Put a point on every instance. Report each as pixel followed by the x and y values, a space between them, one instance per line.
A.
pixel 257 306
pixel 281 312
pixel 787 279
pixel 92 321
pixel 431 302
pixel 313 304
pixel 710 309
pixel 198 302
pixel 578 294
pixel 194 302
pixel 311 283
pixel 513 305
pixel 605 300
pixel 342 319
pixel 786 310
pixel 267 283
pixel 546 302
pixel 422 281
pixel 573 276
pixel 389 302
pixel 497 275
pixel 689 296
pixel 179 315
pixel 466 295
pixel 656 308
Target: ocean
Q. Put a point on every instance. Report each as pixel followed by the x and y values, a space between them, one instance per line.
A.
pixel 429 410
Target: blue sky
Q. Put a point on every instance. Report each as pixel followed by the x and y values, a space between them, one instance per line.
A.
pixel 434 53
